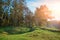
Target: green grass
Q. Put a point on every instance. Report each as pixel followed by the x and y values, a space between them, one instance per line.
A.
pixel 14 30
pixel 38 34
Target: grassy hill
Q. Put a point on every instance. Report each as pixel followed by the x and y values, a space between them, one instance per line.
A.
pixel 38 34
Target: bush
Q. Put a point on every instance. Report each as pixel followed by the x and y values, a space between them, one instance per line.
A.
pixel 16 30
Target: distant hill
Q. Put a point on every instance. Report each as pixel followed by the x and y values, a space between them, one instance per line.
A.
pixel 54 23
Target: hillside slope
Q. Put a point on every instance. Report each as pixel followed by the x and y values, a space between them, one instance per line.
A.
pixel 38 34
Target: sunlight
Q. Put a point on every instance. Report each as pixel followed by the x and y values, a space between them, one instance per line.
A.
pixel 56 11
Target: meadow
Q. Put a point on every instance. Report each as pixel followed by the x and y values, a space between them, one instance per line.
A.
pixel 37 34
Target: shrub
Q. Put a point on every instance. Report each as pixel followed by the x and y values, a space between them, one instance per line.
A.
pixel 16 30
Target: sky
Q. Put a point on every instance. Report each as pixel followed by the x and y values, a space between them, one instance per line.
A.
pixel 33 4
pixel 53 5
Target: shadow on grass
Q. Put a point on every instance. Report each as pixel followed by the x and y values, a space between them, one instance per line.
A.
pixel 15 30
pixel 51 30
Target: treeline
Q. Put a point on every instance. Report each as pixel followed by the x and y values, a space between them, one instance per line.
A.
pixel 16 13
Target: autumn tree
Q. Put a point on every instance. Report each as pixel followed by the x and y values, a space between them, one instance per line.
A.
pixel 42 14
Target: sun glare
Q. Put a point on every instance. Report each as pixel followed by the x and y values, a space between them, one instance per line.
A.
pixel 56 11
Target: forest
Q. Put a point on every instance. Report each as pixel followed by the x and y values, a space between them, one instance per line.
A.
pixel 18 22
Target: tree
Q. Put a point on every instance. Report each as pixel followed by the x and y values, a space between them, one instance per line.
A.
pixel 6 8
pixel 42 14
pixel 17 12
pixel 28 18
pixel 1 12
